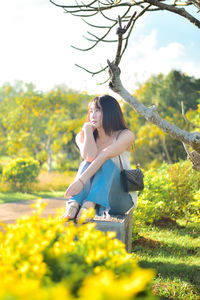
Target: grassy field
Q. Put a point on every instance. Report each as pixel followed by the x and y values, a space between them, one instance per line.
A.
pixel 14 197
pixel 173 250
pixel 51 185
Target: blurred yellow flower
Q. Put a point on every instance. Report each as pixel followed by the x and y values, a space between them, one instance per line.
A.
pixel 45 259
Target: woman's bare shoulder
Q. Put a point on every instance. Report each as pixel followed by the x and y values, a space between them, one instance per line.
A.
pixel 127 132
pixel 130 136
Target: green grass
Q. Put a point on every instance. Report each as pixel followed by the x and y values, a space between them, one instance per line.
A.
pixel 15 197
pixel 51 185
pixel 46 194
pixel 173 251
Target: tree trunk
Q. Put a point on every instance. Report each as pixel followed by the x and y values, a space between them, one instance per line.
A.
pixel 49 152
pixel 166 150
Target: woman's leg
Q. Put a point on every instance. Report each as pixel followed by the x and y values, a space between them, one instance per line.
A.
pixel 79 198
pixel 120 202
pixel 75 202
pixel 106 190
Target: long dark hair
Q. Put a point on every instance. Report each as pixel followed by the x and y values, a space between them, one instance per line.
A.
pixel 113 118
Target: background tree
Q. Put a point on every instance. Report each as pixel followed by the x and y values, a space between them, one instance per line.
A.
pixel 170 91
pixel 167 93
pixel 108 10
pixel 41 125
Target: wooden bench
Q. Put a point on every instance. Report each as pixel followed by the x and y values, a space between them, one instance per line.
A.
pixel 121 224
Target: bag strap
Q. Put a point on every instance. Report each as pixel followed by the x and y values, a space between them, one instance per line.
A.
pixel 121 166
pixel 120 161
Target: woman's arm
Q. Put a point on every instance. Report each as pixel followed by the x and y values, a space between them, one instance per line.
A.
pixel 123 142
pixel 86 143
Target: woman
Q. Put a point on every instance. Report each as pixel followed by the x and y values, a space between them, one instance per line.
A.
pixel 102 139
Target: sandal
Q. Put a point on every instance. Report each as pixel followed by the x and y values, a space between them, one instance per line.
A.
pixel 72 209
pixel 84 209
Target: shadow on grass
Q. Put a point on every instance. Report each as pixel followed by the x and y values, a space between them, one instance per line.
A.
pixel 191 229
pixel 155 248
pixel 159 255
pixel 185 272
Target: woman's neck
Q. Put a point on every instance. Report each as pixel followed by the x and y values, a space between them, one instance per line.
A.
pixel 102 135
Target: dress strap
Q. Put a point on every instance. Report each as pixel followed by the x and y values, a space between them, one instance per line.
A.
pixel 118 135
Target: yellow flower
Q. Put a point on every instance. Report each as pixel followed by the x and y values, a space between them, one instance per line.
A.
pixel 34 251
pixel 86 214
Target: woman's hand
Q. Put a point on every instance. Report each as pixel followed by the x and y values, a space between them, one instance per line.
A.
pixel 80 136
pixel 74 189
pixel 88 125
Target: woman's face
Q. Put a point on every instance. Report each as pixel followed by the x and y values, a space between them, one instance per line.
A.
pixel 96 115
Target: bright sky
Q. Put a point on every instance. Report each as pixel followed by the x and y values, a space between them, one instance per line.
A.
pixel 36 38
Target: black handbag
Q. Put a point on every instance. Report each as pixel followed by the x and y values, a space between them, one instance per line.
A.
pixel 132 180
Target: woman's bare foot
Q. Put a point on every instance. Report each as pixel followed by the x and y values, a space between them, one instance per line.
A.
pixel 72 209
pixel 84 208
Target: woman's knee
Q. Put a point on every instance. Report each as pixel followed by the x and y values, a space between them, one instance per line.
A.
pixel 84 165
pixel 121 207
pixel 109 165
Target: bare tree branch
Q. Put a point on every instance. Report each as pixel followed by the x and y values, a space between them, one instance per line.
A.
pixel 102 39
pixel 98 39
pixel 73 6
pixel 194 157
pixel 91 72
pixel 103 9
pixel 120 32
pixel 95 26
pixel 85 10
pixel 150 113
pixel 137 17
pixel 84 16
pixel 196 3
pixel 180 11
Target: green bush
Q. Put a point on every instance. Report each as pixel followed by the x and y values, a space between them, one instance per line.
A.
pixel 170 191
pixel 20 173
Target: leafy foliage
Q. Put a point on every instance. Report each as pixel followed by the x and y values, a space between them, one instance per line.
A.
pixel 44 259
pixel 1 171
pixel 167 93
pixel 194 117
pixel 170 191
pixel 41 125
pixel 20 173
